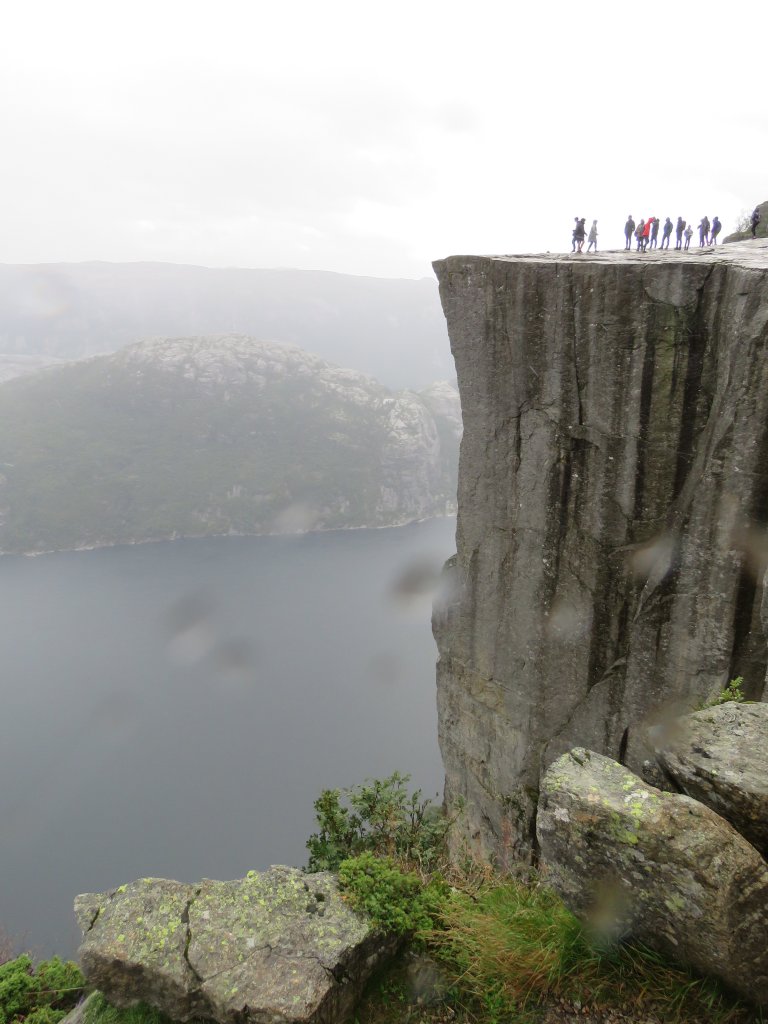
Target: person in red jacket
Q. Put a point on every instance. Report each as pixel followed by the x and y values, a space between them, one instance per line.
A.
pixel 647 232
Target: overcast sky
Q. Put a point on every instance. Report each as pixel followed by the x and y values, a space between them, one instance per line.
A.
pixel 369 139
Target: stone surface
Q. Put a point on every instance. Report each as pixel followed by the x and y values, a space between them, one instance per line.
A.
pixel 611 474
pixel 658 867
pixel 719 756
pixel 276 946
pixel 80 1012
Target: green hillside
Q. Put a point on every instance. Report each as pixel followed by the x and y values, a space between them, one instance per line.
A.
pixel 211 436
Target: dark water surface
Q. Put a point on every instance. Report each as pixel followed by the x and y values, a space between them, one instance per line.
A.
pixel 174 709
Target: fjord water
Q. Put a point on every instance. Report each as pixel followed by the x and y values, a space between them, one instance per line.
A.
pixel 173 709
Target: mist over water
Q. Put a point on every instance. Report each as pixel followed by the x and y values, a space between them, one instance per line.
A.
pixel 174 709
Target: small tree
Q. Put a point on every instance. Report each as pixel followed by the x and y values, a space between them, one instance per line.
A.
pixel 381 817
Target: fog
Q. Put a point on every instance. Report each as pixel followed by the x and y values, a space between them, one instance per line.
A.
pixel 368 140
pixel 393 330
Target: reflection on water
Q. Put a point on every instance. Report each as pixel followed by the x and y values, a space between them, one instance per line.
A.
pixel 174 709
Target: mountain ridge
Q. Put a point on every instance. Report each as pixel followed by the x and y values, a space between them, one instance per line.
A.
pixel 209 436
pixel 392 328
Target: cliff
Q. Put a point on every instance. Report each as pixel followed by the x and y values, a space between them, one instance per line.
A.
pixel 612 504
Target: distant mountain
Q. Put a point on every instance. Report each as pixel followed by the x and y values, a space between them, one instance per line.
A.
pixel 391 329
pixel 19 366
pixel 202 436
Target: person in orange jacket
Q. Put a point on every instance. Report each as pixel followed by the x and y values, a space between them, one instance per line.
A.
pixel 647 232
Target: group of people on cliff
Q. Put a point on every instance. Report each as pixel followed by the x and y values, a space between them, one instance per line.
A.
pixel 580 234
pixel 646 233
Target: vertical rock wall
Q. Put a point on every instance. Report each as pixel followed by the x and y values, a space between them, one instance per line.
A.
pixel 613 496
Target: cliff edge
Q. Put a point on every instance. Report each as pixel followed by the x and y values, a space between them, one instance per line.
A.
pixel 613 498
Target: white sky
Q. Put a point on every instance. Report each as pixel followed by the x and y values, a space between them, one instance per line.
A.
pixel 366 139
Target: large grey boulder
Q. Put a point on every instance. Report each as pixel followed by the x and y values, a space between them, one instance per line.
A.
pixel 658 867
pixel 277 946
pixel 615 440
pixel 719 756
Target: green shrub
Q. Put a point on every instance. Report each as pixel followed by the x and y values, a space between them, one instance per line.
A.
pixel 45 1015
pixel 398 901
pixel 41 994
pixel 381 817
pixel 17 987
pixel 732 692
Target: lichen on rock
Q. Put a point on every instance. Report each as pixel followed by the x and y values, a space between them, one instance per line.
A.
pixel 657 867
pixel 719 756
pixel 278 945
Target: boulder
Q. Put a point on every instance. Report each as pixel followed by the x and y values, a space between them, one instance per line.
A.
pixel 719 756
pixel 657 867
pixel 277 946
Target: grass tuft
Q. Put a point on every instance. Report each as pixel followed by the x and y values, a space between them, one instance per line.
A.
pixel 514 947
pixel 99 1011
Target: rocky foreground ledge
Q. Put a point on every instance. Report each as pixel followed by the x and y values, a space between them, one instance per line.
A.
pixel 660 866
pixel 611 504
pixel 278 946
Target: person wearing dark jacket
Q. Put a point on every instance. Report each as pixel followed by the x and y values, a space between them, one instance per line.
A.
pixel 639 234
pixel 716 225
pixel 754 220
pixel 704 231
pixel 629 230
pixel 580 233
pixel 679 229
pixel 575 229
pixel 666 233
pixel 654 232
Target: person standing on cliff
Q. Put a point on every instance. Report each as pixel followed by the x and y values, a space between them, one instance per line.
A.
pixel 679 229
pixel 704 231
pixel 629 230
pixel 654 232
pixel 667 233
pixel 647 232
pixel 639 234
pixel 592 236
pixel 754 220
pixel 688 236
pixel 716 226
pixel 580 233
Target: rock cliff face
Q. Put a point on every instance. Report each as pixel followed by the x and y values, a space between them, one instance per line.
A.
pixel 612 504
